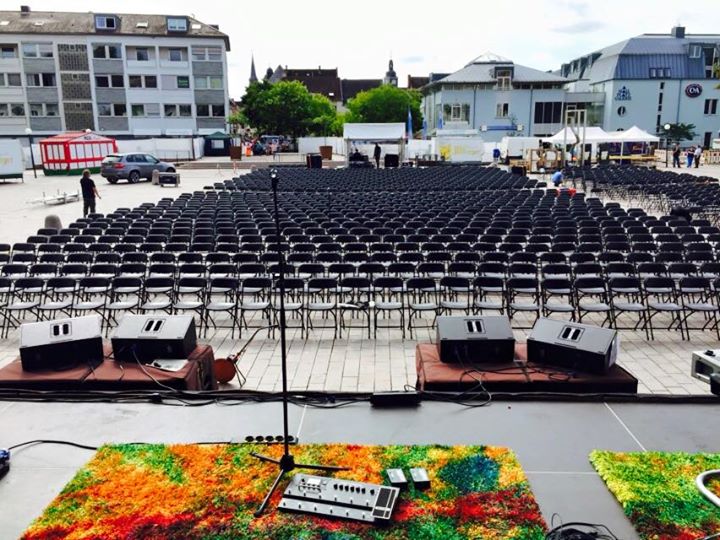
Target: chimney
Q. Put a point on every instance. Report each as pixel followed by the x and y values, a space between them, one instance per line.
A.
pixel 678 32
pixel 24 10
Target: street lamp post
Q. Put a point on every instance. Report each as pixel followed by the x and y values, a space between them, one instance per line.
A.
pixel 666 127
pixel 28 132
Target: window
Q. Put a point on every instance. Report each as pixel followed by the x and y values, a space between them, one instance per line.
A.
pixel 37 50
pixel 178 110
pixel 176 55
pixel 40 79
pixel 142 81
pixel 145 109
pixel 695 51
pixel 17 109
pixel 142 54
pixel 211 110
pixel 177 24
pixel 8 51
pixel 211 83
pixel 105 22
pixel 112 109
pixel 3 109
pixel 659 73
pixel 107 51
pixel 621 111
pixel 504 79
pixel 212 54
pixel 10 79
pixel 109 81
pixel 43 109
pixel 711 106
pixel 548 112
pixel 183 81
pixel 502 110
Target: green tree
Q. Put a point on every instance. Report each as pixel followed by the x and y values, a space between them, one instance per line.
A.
pixel 386 103
pixel 679 132
pixel 287 108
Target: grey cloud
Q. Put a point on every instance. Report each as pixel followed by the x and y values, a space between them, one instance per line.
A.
pixel 412 59
pixel 580 27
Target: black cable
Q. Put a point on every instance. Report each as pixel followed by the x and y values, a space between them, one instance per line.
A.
pixel 52 441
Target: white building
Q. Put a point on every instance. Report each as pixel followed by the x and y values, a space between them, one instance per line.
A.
pixel 497 97
pixel 121 74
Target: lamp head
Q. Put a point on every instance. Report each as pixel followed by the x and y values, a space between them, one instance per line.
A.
pixel 274 178
pixel 667 127
pixel 28 131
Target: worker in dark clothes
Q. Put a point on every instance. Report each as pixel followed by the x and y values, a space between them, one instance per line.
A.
pixel 376 154
pixel 89 193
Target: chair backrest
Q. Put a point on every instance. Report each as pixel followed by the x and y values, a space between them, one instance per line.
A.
pixel 322 284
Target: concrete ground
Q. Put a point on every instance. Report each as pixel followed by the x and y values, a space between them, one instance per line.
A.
pixel 552 441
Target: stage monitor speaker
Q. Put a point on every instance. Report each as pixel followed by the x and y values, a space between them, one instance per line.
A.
pixel 573 346
pixel 705 364
pixel 392 161
pixel 61 344
pixel 314 161
pixel 518 170
pixel 475 340
pixel 144 338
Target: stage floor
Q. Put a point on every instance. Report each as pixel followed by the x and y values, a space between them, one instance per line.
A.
pixel 552 441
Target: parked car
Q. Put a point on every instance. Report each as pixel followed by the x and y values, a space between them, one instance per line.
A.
pixel 132 167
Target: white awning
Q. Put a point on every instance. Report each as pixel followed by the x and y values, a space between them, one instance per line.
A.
pixel 634 134
pixel 374 132
pixel 591 135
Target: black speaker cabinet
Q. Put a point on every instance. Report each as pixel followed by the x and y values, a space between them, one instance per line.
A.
pixel 392 161
pixel 314 161
pixel 475 340
pixel 144 338
pixel 61 344
pixel 573 346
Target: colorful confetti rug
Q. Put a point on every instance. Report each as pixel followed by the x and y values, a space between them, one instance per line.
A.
pixel 210 492
pixel 658 492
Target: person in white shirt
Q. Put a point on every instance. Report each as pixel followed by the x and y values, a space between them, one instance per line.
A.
pixel 698 154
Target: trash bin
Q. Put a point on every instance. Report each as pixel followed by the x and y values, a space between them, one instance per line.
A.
pixel 326 152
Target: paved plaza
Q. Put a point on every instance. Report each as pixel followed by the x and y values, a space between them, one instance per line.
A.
pixel 321 363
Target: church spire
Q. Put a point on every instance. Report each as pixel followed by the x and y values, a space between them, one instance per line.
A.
pixel 253 75
pixel 391 76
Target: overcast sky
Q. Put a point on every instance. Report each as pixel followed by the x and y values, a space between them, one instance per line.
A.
pixel 359 37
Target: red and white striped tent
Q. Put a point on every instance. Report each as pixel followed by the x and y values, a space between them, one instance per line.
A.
pixel 73 151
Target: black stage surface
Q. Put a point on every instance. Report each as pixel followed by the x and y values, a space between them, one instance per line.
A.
pixel 552 441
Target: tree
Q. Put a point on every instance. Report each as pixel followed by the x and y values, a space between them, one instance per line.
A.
pixel 679 132
pixel 386 103
pixel 287 108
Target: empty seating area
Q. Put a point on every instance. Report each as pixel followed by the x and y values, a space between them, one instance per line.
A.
pixel 374 250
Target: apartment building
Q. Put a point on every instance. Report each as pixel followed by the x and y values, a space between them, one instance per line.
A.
pixel 124 75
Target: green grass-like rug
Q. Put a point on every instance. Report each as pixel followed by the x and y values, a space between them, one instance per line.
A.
pixel 209 492
pixel 658 492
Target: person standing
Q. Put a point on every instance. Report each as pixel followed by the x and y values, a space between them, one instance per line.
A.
pixel 698 155
pixel 376 154
pixel 89 193
pixel 676 155
pixel 690 156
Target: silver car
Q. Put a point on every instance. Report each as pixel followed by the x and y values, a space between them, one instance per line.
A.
pixel 132 167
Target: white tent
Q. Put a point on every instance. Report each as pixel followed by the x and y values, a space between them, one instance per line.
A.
pixel 391 133
pixel 591 135
pixel 634 134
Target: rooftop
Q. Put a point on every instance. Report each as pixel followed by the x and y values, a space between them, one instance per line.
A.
pixel 74 23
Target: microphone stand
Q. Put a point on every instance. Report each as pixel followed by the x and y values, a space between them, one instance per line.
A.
pixel 286 463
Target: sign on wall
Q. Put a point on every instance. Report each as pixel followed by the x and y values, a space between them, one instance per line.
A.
pixel 623 94
pixel 693 90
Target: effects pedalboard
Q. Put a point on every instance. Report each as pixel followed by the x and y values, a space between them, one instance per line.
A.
pixel 333 497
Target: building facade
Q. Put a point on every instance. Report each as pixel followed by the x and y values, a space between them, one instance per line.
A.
pixel 655 79
pixel 497 97
pixel 120 74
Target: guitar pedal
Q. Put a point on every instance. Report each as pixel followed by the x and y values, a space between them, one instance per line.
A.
pixel 397 478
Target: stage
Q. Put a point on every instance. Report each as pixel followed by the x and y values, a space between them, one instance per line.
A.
pixel 552 441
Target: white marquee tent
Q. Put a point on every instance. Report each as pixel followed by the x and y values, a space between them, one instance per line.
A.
pixel 391 133
pixel 634 134
pixel 591 135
